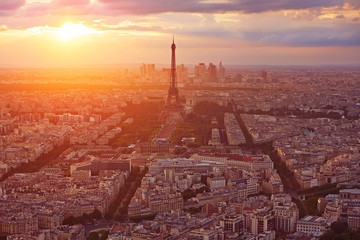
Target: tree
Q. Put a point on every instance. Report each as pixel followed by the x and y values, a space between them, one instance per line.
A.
pixel 346 236
pixel 328 235
pixel 96 214
pixel 93 236
pixel 138 219
pixel 194 210
pixel 103 234
pixel 310 204
pixel 193 145
pixel 84 218
pixel 338 227
pixel 204 179
pixel 120 217
pixel 338 237
pixel 187 194
pixel 340 231
pixel 69 220
pixel 356 235
pixel 202 190
pixel 108 215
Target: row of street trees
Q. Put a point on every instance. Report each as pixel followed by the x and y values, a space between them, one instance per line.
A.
pixel 39 163
pixel 118 209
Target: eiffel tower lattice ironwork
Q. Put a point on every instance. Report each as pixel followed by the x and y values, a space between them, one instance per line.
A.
pixel 173 91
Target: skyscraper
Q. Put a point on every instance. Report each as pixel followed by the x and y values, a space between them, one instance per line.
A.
pixel 143 70
pixel 212 73
pixel 150 69
pixel 221 73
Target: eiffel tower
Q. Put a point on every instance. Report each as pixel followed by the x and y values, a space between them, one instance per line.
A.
pixel 173 91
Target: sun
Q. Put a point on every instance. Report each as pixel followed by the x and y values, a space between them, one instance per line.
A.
pixel 72 31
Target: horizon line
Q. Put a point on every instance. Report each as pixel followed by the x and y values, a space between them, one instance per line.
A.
pixel 116 65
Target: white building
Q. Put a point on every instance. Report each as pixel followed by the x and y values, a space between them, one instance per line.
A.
pixel 261 221
pixel 312 225
pixel 215 183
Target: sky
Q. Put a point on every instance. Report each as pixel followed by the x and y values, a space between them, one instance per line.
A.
pixel 54 33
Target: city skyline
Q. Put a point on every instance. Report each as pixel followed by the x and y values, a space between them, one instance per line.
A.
pixel 179 119
pixel 45 33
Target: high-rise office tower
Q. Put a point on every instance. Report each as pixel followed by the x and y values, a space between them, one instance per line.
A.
pixel 212 73
pixel 221 73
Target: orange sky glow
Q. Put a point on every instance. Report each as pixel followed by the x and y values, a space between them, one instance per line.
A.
pixel 50 33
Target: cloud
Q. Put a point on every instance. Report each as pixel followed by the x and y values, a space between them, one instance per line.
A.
pixel 128 28
pixel 181 17
pixel 309 37
pixel 57 7
pixel 144 7
pixel 308 14
pixel 70 2
pixel 3 28
pixel 245 6
pixel 354 3
pixel 8 5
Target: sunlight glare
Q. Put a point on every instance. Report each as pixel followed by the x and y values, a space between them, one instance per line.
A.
pixel 72 31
